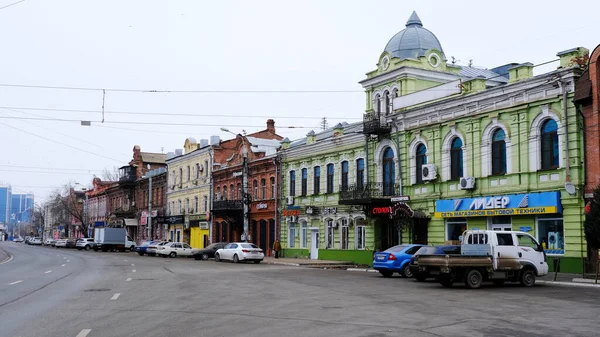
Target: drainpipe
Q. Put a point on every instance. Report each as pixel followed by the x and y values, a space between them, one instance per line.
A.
pixel 275 197
pixel 393 122
pixel 563 86
pixel 210 195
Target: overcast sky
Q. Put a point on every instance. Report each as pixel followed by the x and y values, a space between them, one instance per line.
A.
pixel 231 46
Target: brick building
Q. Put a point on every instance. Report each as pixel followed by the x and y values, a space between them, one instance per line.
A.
pixel 159 202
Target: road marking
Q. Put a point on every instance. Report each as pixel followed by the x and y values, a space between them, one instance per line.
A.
pixel 48 271
pixel 128 279
pixel 16 282
pixel 115 296
pixel 133 271
pixel 64 258
pixel 84 333
pixel 133 264
pixel 125 260
pixel 68 260
pixel 62 265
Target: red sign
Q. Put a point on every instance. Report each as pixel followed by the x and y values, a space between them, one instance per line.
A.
pixel 392 210
pixel 291 212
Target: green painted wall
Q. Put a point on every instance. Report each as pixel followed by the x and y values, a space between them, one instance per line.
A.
pixel 295 253
pixel 361 257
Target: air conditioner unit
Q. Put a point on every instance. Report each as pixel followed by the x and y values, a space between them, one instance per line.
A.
pixel 467 183
pixel 290 200
pixel 429 172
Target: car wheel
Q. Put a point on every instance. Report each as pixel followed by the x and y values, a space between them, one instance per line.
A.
pixel 236 259
pixel 446 281
pixel 473 279
pixel 420 278
pixel 527 278
pixel 406 272
pixel 95 249
pixel 217 258
pixel 87 247
pixel 173 254
pixel 257 261
pixel 386 273
pixel 132 248
pixel 205 256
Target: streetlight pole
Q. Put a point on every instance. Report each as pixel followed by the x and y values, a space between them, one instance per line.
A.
pixel 245 195
pixel 149 204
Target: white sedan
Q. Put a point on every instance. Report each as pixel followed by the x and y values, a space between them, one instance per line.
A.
pixel 240 251
pixel 174 249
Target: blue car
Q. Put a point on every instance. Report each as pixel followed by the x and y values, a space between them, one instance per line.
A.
pixel 141 249
pixel 395 260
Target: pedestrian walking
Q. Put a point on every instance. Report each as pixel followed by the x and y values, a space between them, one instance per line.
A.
pixel 276 248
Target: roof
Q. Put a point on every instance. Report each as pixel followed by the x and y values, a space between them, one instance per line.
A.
pixel 413 41
pixel 325 134
pixel 583 87
pixel 267 146
pixel 482 73
pixel 149 157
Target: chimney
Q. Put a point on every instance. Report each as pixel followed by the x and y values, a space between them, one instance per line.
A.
pixel 311 137
pixel 338 130
pixel 271 125
pixel 520 72
pixel 571 57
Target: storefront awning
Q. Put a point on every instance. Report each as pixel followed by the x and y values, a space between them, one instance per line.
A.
pixel 131 222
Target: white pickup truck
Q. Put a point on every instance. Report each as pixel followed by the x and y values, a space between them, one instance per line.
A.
pixel 486 255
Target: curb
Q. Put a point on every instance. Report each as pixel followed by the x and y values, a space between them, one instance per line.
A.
pixel 285 264
pixel 368 270
pixel 569 284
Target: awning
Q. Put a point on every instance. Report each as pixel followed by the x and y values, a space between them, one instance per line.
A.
pixel 131 222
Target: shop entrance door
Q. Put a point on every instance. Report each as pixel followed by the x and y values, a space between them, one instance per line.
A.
pixel 499 223
pixel 314 244
pixel 420 230
pixel 262 238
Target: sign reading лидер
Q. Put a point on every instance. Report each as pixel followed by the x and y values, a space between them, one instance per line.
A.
pixel 514 204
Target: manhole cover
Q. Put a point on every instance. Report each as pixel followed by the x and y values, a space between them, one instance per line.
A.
pixel 99 289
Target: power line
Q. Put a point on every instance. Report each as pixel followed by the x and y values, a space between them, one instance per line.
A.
pixel 12 4
pixel 48 168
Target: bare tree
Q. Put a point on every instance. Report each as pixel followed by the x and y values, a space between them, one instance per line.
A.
pixel 110 175
pixel 38 217
pixel 67 207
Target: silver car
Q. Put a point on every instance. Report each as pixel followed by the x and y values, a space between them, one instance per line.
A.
pixel 84 243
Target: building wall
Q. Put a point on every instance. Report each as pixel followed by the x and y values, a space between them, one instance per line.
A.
pixel 5 203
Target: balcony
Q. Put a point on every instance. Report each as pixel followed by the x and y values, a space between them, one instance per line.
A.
pixel 375 124
pixel 127 175
pixel 228 205
pixel 367 193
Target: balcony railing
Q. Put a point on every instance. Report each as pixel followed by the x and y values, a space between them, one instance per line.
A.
pixel 227 205
pixel 375 124
pixel 364 194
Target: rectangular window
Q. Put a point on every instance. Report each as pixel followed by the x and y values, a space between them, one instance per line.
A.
pixel 344 176
pixel 361 237
pixel 500 223
pixel 330 234
pixel 498 158
pixel 330 172
pixel 197 170
pixel 360 173
pixel 551 234
pixel 304 182
pixel 456 162
pixel 317 180
pixel 292 183
pixel 195 204
pixel 344 234
pixel 272 187
pixel 263 187
pixel 292 236
pixel 455 227
pixel 303 236
pixel 206 167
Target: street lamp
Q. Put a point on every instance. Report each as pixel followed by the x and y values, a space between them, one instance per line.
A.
pixel 245 199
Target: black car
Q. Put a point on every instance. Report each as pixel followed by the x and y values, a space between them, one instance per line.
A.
pixel 209 251
pixel 421 273
pixel 71 243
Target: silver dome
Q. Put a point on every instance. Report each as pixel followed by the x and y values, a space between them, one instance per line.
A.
pixel 413 41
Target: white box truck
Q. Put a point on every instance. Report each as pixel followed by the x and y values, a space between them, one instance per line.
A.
pixel 112 239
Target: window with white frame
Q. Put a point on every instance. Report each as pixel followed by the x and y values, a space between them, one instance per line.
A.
pixel 361 234
pixel 330 233
pixel 303 235
pixel 292 235
pixel 455 227
pixel 196 204
pixel 344 234
pixel 205 203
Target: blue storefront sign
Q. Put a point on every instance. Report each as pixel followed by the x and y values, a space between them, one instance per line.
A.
pixel 512 204
pixel 525 228
pixel 99 224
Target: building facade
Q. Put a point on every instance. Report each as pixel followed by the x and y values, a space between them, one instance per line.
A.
pixel 316 171
pixel 150 202
pixel 454 147
pixel 5 203
pixel 189 194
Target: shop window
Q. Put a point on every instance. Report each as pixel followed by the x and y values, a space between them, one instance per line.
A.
pixel 421 159
pixel 549 146
pixel 455 227
pixel 344 234
pixel 292 183
pixel 550 232
pixel 500 223
pixel 330 173
pixel 456 159
pixel 292 236
pixel 344 176
pixel 361 233
pixel 389 172
pixel 498 152
pixel 304 235
pixel 360 173
pixel 304 186
pixel 330 234
pixel 317 180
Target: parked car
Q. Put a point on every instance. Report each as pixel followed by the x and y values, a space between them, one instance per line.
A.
pixel 36 241
pixel 240 251
pixel 143 247
pixel 48 242
pixel 422 273
pixel 71 243
pixel 154 246
pixel 208 251
pixel 60 243
pixel 395 260
pixel 174 249
pixel 84 243
pixel 27 238
pixel 18 239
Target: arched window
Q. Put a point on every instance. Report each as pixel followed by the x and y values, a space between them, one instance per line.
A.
pixel 386 100
pixel 304 186
pixel 456 159
pixel 218 194
pixel 197 170
pixel 263 187
pixel 292 183
pixel 225 193
pixel 498 152
pixel 239 192
pixel 205 201
pixel 389 172
pixel 549 146
pixel 188 173
pixel 330 172
pixel 421 159
pixel 377 103
pixel 231 192
pixel 317 180
pixel 395 93
pixel 272 179
pixel 255 189
pixel 360 173
pixel 196 204
pixel 344 176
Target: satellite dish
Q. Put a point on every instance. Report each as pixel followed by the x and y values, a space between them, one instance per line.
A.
pixel 570 188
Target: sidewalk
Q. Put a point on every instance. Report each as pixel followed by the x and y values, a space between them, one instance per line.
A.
pixel 308 263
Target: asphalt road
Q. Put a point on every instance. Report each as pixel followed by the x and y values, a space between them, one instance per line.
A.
pixel 122 294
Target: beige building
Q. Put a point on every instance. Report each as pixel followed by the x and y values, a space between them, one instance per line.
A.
pixel 189 193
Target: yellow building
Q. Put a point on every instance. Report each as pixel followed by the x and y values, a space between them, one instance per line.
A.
pixel 188 193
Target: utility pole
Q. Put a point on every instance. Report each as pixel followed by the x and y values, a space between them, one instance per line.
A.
pixel 324 123
pixel 246 199
pixel 149 204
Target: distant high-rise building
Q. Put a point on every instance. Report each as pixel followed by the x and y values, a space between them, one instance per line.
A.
pixel 21 207
pixel 5 203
